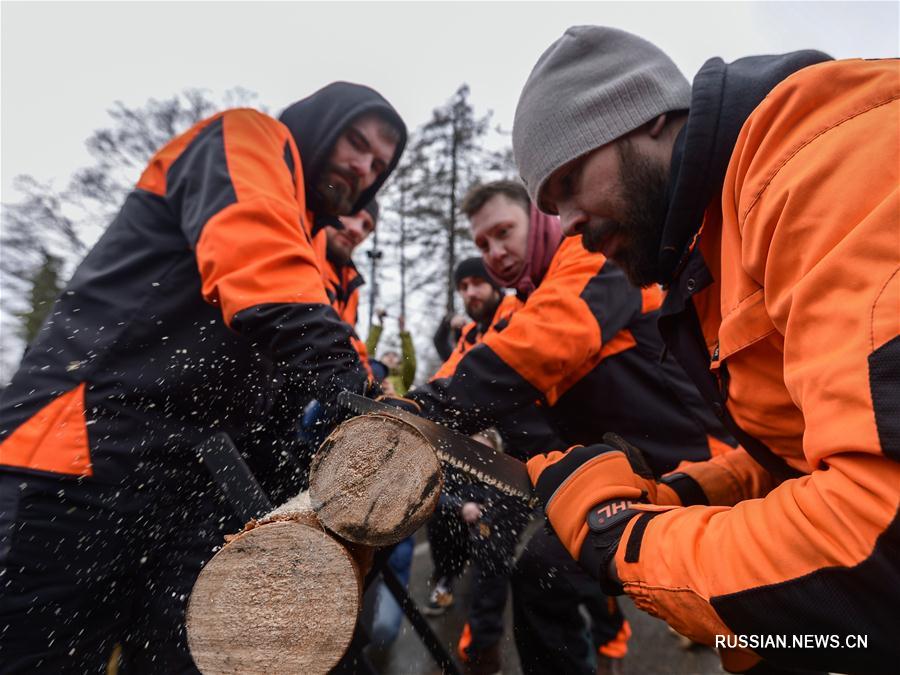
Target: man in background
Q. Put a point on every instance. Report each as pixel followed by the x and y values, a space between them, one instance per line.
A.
pixel 342 278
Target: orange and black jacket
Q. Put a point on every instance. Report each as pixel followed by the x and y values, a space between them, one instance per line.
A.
pixel 527 431
pixel 584 344
pixel 342 284
pixel 786 313
pixel 201 298
pixel 472 334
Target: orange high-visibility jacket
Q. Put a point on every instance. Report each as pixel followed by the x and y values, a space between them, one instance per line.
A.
pixel 342 286
pixel 796 287
pixel 472 334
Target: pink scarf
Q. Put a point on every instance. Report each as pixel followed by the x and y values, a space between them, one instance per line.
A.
pixel 544 237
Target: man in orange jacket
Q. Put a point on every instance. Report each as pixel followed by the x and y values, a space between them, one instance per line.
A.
pixel 584 344
pixel 342 279
pixel 203 294
pixel 484 303
pixel 765 197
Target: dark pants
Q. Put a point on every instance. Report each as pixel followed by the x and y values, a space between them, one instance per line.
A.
pixel 548 590
pixel 85 566
pixel 490 544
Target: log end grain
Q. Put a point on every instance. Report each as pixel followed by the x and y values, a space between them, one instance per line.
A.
pixel 282 597
pixel 375 480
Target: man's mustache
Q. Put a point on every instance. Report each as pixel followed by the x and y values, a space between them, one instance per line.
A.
pixel 593 236
pixel 348 176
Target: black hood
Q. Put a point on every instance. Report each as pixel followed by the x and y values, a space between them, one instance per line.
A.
pixel 722 98
pixel 316 122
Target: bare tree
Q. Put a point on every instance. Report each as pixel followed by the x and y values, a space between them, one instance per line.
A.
pixel 422 234
pixel 54 228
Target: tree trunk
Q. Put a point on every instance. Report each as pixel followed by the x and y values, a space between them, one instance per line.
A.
pixel 403 190
pixel 280 597
pixel 451 216
pixel 375 480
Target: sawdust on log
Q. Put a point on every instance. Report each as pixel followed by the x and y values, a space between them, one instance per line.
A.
pixel 375 480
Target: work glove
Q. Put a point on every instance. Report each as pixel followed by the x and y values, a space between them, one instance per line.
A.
pixel 590 494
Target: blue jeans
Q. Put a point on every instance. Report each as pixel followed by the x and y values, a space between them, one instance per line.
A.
pixel 388 615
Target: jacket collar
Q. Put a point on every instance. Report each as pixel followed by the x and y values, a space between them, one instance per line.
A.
pixel 722 98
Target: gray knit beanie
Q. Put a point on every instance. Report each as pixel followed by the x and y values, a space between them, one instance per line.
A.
pixel 593 85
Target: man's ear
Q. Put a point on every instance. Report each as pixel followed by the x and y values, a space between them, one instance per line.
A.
pixel 655 127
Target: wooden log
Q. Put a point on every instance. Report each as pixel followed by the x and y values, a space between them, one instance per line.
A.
pixel 375 480
pixel 280 597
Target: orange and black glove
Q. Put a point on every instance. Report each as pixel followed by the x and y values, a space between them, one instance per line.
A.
pixel 590 494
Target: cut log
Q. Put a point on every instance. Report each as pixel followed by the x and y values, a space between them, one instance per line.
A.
pixel 375 480
pixel 280 597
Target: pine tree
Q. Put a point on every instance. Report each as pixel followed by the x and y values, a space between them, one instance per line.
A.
pixel 46 285
pixel 449 158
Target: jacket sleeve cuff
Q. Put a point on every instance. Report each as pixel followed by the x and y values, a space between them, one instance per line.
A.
pixel 650 582
pixel 725 479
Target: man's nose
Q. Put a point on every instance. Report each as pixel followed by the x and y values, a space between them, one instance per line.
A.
pixel 496 251
pixel 571 219
pixel 361 164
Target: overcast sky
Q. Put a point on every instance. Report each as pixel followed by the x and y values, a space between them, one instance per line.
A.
pixel 64 64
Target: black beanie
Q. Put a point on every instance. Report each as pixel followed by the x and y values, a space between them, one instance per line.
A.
pixel 472 267
pixel 372 209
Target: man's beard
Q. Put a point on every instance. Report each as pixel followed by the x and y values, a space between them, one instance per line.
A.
pixel 644 185
pixel 335 197
pixel 486 311
pixel 336 254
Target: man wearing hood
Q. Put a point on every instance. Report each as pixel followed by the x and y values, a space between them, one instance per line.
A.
pixel 584 344
pixel 765 197
pixel 201 299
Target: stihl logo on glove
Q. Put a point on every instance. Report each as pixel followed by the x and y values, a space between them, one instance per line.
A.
pixel 609 514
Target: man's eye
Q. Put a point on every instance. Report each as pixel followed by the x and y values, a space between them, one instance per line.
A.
pixel 569 181
pixel 356 141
